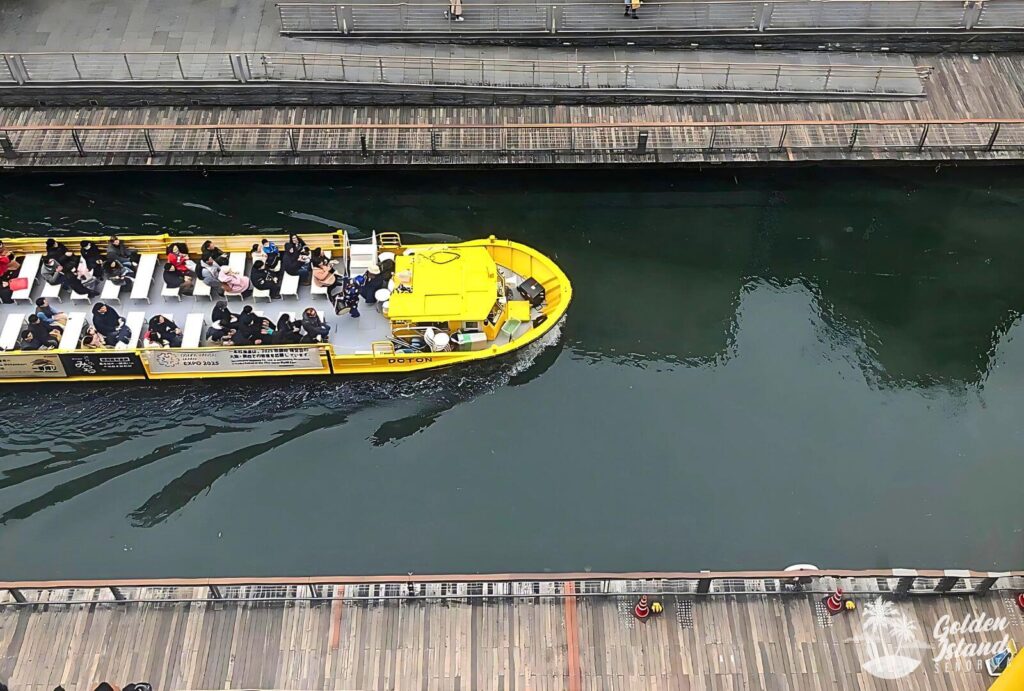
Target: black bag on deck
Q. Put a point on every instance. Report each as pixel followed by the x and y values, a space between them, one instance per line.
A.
pixel 532 292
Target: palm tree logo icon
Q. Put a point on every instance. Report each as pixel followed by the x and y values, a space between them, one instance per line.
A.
pixel 890 642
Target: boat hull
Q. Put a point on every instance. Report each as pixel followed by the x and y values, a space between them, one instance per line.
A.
pixel 220 362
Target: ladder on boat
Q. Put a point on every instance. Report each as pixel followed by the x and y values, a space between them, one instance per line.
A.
pixel 361 255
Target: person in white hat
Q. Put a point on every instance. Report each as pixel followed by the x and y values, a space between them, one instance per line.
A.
pixel 373 281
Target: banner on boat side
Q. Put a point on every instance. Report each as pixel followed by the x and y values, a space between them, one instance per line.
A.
pixel 170 361
pixel 102 364
pixel 31 365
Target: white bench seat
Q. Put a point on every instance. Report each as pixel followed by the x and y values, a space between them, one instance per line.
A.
pixel 144 277
pixel 111 292
pixel 12 330
pixel 202 289
pixel 168 292
pixel 51 291
pixel 290 286
pixel 29 271
pixel 192 333
pixel 136 322
pixel 72 331
pixel 79 297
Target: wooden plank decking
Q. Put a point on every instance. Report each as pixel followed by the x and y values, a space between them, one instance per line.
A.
pixel 961 87
pixel 721 642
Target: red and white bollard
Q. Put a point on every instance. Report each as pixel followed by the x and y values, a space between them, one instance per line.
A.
pixel 642 611
pixel 1020 601
pixel 834 602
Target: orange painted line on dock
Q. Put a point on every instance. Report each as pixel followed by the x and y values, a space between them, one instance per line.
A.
pixel 334 638
pixel 572 637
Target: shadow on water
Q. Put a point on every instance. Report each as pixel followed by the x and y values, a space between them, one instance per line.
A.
pixel 250 407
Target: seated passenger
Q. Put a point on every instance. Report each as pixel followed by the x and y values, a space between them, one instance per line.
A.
pixel 288 331
pixel 83 282
pixel 119 252
pixel 374 281
pixel 110 324
pixel 28 342
pixel 178 258
pixel 272 254
pixel 297 242
pixel 91 255
pixel 316 330
pixel 48 315
pixel 220 310
pixel 209 273
pixel 233 282
pixel 86 277
pixel 118 273
pixel 9 266
pixel 154 339
pixel 184 282
pixel 324 276
pixel 53 273
pixel 44 333
pixel 58 251
pixel 92 339
pixel 256 254
pixel 211 251
pixel 220 327
pixel 167 330
pixel 6 292
pixel 296 261
pixel 263 278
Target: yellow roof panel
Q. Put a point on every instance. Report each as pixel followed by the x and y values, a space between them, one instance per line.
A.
pixel 448 284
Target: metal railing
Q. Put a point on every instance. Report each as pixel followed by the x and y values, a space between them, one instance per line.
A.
pixel 697 15
pixel 891 582
pixel 592 138
pixel 241 68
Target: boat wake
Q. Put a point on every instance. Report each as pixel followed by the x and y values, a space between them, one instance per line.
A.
pixel 109 431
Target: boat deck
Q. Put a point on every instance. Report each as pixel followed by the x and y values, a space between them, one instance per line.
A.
pixel 348 334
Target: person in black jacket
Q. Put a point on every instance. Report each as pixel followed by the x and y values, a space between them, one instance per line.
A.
pixel 288 331
pixel 167 330
pixel 92 255
pixel 184 282
pixel 6 293
pixel 110 324
pixel 46 335
pixel 264 279
pixel 210 250
pixel 59 251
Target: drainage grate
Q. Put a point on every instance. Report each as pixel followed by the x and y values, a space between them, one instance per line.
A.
pixel 1013 614
pixel 684 613
pixel 624 607
pixel 821 615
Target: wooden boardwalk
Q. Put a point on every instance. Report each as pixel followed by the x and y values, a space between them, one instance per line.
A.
pixel 719 642
pixel 960 87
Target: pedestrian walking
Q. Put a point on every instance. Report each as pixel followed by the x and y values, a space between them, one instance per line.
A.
pixel 631 7
pixel 454 11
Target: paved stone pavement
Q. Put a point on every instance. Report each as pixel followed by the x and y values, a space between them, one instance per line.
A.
pixel 253 26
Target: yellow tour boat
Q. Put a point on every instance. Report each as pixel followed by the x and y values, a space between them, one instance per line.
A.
pixel 436 305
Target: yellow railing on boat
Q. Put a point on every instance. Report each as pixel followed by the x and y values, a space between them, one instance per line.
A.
pixel 334 242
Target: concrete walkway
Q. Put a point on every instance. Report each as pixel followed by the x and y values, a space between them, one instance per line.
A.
pixel 252 26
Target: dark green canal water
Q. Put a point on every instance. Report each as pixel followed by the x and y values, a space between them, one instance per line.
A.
pixel 758 369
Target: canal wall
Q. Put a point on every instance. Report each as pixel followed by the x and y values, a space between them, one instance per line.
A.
pixel 767 630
